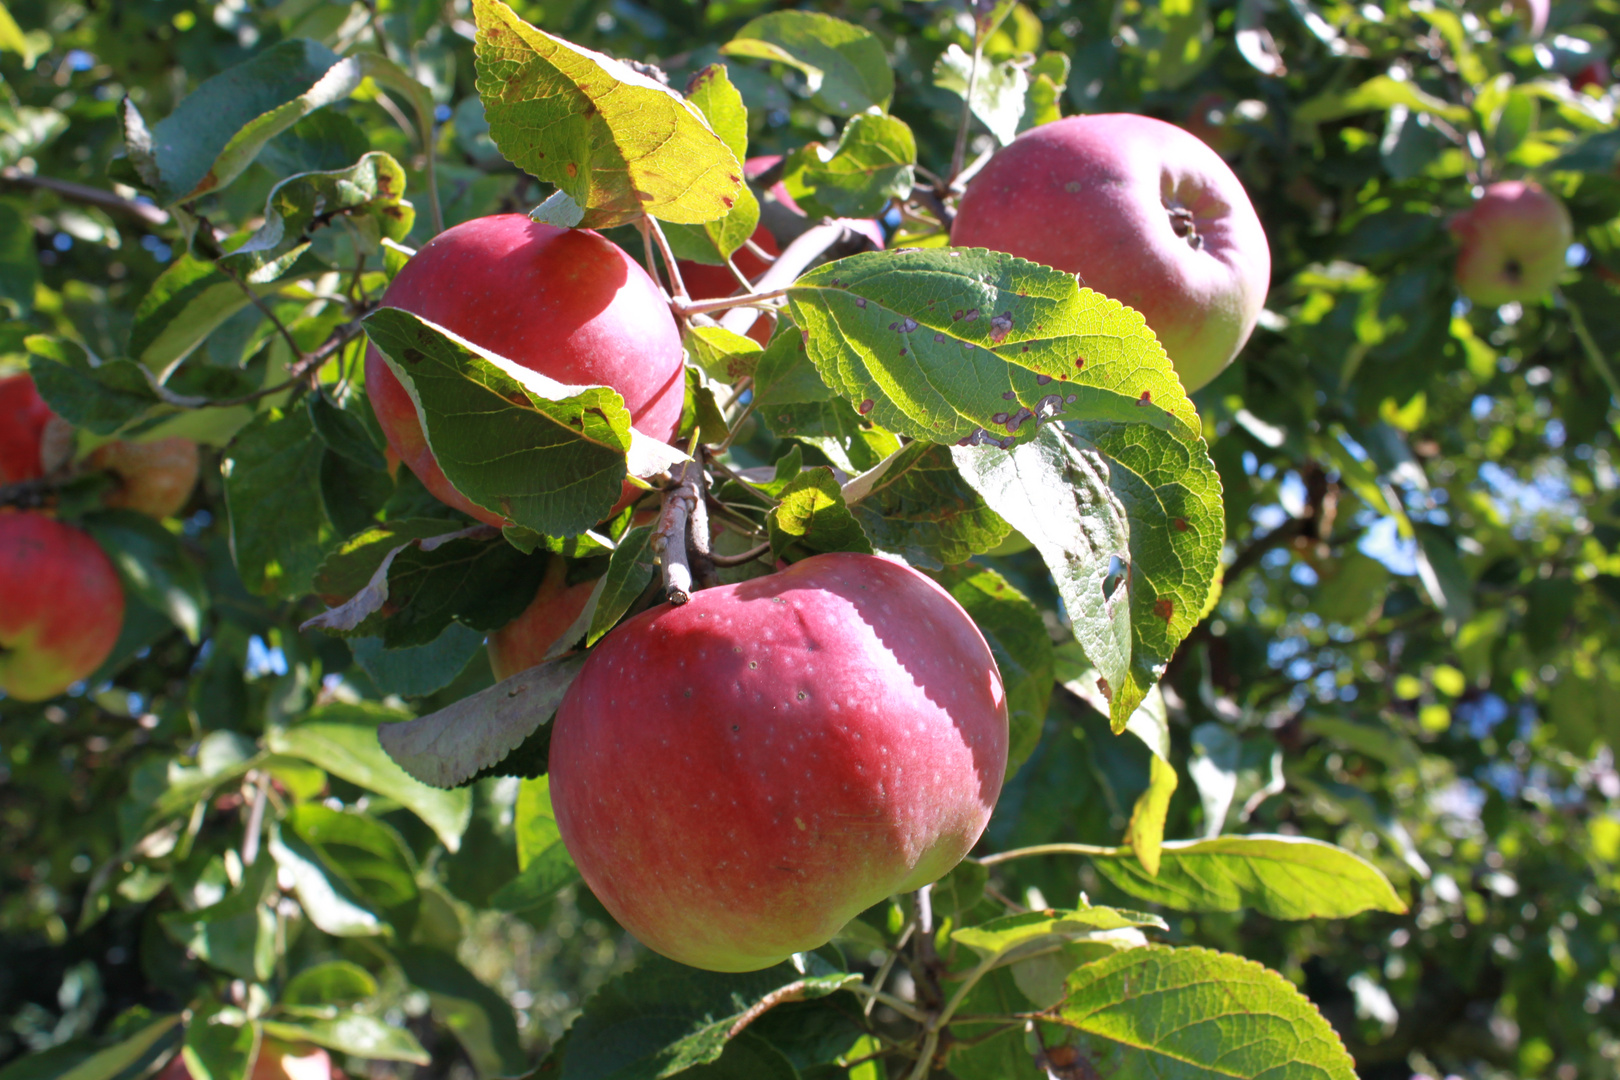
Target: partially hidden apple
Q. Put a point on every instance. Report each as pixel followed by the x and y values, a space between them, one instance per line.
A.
pixel 276 1061
pixel 738 777
pixel 61 605
pixel 705 282
pixel 564 302
pixel 23 417
pixel 1143 212
pixel 1511 244
pixel 524 642
pixel 154 477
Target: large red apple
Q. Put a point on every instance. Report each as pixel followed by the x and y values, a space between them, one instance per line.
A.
pixel 738 777
pixel 154 477
pixel 1144 213
pixel 1511 244
pixel 61 606
pixel 23 416
pixel 564 302
pixel 524 642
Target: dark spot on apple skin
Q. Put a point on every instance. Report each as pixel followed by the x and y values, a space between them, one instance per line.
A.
pixel 866 406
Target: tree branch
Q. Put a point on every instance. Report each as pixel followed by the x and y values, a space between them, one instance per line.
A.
pixel 669 539
pixel 147 214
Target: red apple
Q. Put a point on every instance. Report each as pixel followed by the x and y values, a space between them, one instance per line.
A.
pixel 524 642
pixel 154 477
pixel 1511 244
pixel 564 302
pixel 738 777
pixel 1142 212
pixel 23 416
pixel 61 606
pixel 276 1061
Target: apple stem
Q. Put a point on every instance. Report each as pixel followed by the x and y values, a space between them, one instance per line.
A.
pixel 650 224
pixel 746 557
pixel 703 307
pixel 809 246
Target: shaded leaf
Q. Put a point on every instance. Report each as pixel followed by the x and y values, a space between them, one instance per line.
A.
pixel 630 570
pixel 450 747
pixel 481 1019
pixel 1032 930
pixel 100 398
pixel 916 505
pixel 278 526
pixel 810 511
pixel 359 1034
pixel 871 164
pixel 153 565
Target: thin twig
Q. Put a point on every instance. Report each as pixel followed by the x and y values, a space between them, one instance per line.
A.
pixel 889 961
pixel 758 252
pixel 669 539
pixel 146 213
pixel 1052 849
pixel 295 375
pixel 959 152
pixel 736 425
pixel 805 249
pixel 703 307
pixel 264 308
pixel 873 997
pixel 255 822
pixel 1590 345
pixel 738 560
pixel 679 286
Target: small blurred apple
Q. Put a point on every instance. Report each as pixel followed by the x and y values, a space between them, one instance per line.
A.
pixel 1512 244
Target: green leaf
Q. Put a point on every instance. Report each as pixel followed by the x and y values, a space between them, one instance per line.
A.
pixel 19 262
pixel 190 300
pixel 332 904
pixel 1377 94
pixel 418 670
pixel 1017 636
pixel 351 566
pixel 1032 930
pixel 630 571
pixel 663 1017
pixel 480 1019
pixel 369 195
pixel 153 565
pixel 450 747
pixel 1285 877
pixel 1128 519
pixel 916 505
pixel 101 398
pixel 105 1064
pixel 810 511
pixel 1145 833
pixel 336 982
pixel 834 428
pixel 844 66
pixel 367 856
pixel 237 935
pixel 977 1052
pixel 545 456
pixel 538 883
pixel 725 356
pixel 1229 771
pixel 471 575
pixel 949 344
pixel 218 130
pixel 535 821
pixel 1191 1014
pixel 713 242
pixel 342 739
pixel 785 375
pixel 999 91
pixel 279 530
pixel 617 142
pixel 1048 78
pixel 355 1033
pixel 12 39
pixel 220 1043
pixel 871 164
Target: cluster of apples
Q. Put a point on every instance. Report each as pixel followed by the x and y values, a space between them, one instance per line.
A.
pixel 738 776
pixel 61 604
